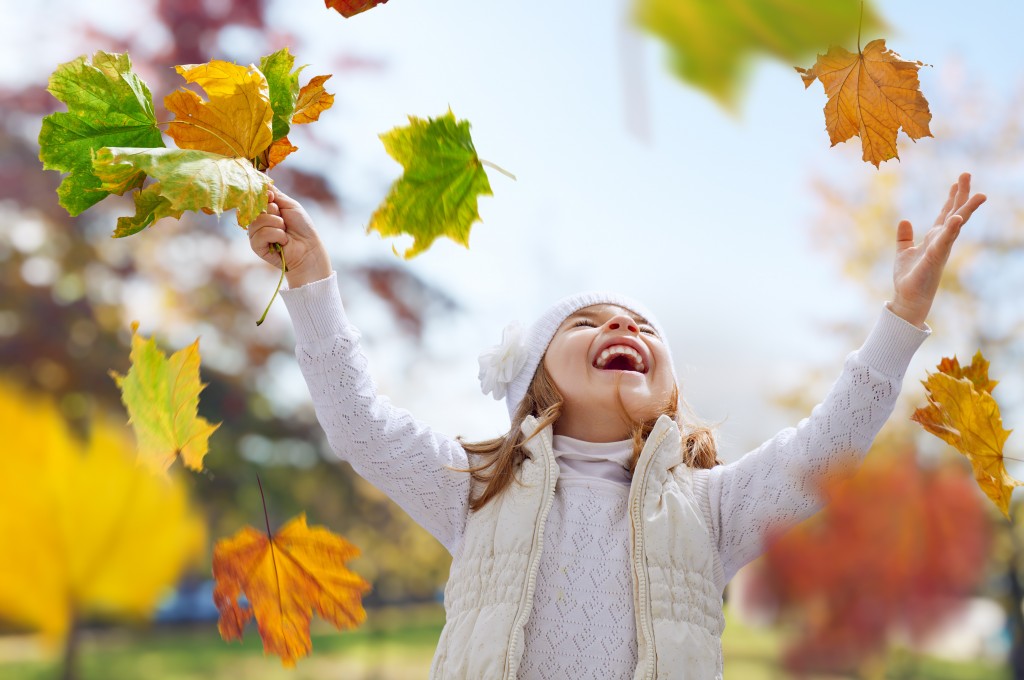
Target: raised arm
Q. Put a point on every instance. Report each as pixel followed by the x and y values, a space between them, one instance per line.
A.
pixel 776 485
pixel 385 445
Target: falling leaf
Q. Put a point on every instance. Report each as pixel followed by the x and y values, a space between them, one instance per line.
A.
pixel 85 530
pixel 970 421
pixel 236 121
pixel 162 398
pixel 186 180
pixel 108 105
pixel 285 578
pixel 437 194
pixel 976 372
pixel 313 100
pixel 871 94
pixel 283 87
pixel 711 43
pixel 349 8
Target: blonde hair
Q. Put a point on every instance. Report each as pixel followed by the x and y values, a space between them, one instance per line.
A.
pixel 503 455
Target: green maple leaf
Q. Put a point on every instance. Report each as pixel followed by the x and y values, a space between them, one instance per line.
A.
pixel 161 394
pixel 185 180
pixel 108 105
pixel 437 194
pixel 712 41
pixel 283 83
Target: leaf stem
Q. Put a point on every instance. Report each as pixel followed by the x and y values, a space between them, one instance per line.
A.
pixel 498 168
pixel 860 24
pixel 284 268
pixel 263 498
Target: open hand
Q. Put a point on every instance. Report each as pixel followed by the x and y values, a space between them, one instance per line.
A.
pixel 287 224
pixel 918 268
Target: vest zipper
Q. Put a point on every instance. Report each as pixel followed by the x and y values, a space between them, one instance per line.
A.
pixel 525 604
pixel 640 564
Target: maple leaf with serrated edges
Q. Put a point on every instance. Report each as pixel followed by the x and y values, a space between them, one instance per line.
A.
pixel 349 8
pixel 871 95
pixel 162 397
pixel 711 44
pixel 186 180
pixel 968 419
pixel 437 194
pixel 286 577
pixel 85 530
pixel 108 105
pixel 236 120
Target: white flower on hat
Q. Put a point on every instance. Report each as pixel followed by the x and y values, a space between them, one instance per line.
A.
pixel 501 363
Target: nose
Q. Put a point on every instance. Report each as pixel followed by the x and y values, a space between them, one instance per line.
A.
pixel 622 321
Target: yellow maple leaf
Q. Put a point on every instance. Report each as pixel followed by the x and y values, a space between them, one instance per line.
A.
pixel 84 530
pixel 285 577
pixel 312 101
pixel 236 121
pixel 871 94
pixel 969 420
pixel 162 398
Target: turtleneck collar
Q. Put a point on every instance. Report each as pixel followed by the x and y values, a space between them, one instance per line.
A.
pixel 580 461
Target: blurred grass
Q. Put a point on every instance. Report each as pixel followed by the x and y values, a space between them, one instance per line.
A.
pixel 393 644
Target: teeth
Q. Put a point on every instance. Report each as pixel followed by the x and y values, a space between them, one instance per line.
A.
pixel 621 350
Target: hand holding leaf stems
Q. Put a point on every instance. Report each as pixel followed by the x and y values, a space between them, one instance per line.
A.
pixel 284 236
pixel 918 268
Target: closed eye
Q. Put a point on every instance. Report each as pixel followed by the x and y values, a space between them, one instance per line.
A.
pixel 584 322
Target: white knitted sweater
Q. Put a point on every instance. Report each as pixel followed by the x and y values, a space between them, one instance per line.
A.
pixel 584 578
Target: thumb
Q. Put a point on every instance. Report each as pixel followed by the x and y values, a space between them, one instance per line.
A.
pixel 284 201
pixel 904 235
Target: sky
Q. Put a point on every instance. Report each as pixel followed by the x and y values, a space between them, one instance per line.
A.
pixel 702 214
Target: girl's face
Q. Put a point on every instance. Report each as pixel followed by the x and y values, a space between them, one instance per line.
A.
pixel 603 353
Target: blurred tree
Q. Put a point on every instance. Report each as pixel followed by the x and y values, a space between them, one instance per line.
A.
pixel 978 306
pixel 65 286
pixel 895 551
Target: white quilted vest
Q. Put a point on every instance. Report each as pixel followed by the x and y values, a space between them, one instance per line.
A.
pixel 677 575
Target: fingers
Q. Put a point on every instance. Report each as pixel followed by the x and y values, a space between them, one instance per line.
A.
pixel 904 235
pixel 284 201
pixel 967 209
pixel 264 231
pixel 948 207
pixel 963 190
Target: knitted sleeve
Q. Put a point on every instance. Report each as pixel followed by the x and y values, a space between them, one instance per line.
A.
pixel 385 445
pixel 775 485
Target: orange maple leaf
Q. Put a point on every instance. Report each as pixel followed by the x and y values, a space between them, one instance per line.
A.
pixel 313 100
pixel 349 8
pixel 285 577
pixel 871 94
pixel 968 419
pixel 277 152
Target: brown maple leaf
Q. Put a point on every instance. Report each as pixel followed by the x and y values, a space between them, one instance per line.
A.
pixel 349 8
pixel 968 419
pixel 285 577
pixel 871 94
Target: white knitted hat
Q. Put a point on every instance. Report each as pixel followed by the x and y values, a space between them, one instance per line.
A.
pixel 507 369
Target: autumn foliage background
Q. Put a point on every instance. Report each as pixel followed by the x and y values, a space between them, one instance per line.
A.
pixel 781 249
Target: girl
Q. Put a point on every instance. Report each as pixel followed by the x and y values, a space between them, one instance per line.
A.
pixel 595 538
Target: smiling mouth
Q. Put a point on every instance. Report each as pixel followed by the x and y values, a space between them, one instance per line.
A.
pixel 620 358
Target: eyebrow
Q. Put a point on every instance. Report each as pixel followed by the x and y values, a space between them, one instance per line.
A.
pixel 592 315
